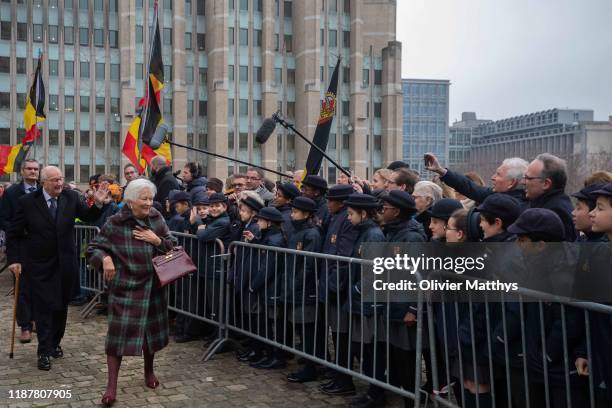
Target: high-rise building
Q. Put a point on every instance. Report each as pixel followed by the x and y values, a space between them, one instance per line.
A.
pixel 460 140
pixel 425 123
pixel 571 134
pixel 228 65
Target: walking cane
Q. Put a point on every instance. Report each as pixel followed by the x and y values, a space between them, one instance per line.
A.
pixel 14 313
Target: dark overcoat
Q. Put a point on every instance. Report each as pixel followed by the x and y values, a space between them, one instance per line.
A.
pixel 45 247
pixel 137 309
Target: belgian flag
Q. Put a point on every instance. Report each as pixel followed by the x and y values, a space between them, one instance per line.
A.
pixel 326 117
pixel 11 158
pixel 149 116
pixel 34 109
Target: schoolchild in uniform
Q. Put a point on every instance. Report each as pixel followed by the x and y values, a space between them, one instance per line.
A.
pixel 315 187
pixel 299 282
pixel 179 222
pixel 585 203
pixel 285 192
pixel 535 228
pixel 367 325
pixel 600 366
pixel 399 225
pixel 216 226
pixel 242 267
pixel 333 286
pixel 439 214
pixel 264 284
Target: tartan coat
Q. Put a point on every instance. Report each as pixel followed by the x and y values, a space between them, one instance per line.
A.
pixel 137 309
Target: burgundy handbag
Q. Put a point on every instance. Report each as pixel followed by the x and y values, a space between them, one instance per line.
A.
pixel 172 266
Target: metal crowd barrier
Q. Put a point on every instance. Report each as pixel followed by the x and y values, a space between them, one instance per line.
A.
pixel 521 352
pixel 335 328
pixel 200 296
pixel 91 282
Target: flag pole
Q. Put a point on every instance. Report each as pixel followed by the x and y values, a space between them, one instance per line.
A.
pixel 36 102
pixel 145 108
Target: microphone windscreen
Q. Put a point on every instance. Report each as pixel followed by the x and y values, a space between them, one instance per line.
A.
pixel 265 131
pixel 159 136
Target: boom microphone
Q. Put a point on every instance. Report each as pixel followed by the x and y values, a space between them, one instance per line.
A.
pixel 159 136
pixel 265 130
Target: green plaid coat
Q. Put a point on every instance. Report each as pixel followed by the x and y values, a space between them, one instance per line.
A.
pixel 137 310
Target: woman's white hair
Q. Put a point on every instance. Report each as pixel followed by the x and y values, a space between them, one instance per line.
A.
pixel 134 187
pixel 428 189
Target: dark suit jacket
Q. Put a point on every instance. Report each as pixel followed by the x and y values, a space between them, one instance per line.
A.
pixel 51 261
pixel 8 205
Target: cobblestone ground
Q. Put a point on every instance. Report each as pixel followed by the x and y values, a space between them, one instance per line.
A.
pixel 185 380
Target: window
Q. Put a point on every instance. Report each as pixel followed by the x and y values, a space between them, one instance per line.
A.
pixel 167 4
pixel 139 34
pixel 84 103
pixel 377 109
pixel 230 72
pixel 347 6
pixel 5 30
pixel 84 69
pixel 291 76
pixel 288 43
pixel 189 74
pixel 113 6
pixel 53 67
pixel 98 5
pixel 5 136
pixel 167 73
pixel 21 65
pixel 114 106
pixel 5 65
pixel 114 71
pixel 244 5
pixel 69 69
pixel 69 103
pixel 346 39
pixel 167 107
pixel 201 42
pixel 201 5
pixel 167 36
pixel 139 71
pixel 99 38
pixel 231 4
pixel 99 104
pixel 100 142
pixel 345 141
pixel 256 107
pixel 321 74
pixel 230 107
pixel 346 75
pixel 22 32
pixel 113 38
pixel 67 4
pixel 333 6
pixel 278 75
pixel 84 139
pixel 257 74
pixel 188 6
pixel 366 76
pixel 21 100
pixel 100 71
pixel 288 9
pixel 243 141
pixel 346 108
pixel 291 109
pixel 84 36
pixel 68 35
pixel 244 73
pixel 230 35
pixel 258 4
pixel 187 41
pixel 69 137
pixel 333 38
pixel 83 4
pixel 53 138
pixel 203 76
pixel 257 38
pixel 189 109
pixel 37 32
pixel 5 100
pixel 378 77
pixel 244 36
pixel 53 34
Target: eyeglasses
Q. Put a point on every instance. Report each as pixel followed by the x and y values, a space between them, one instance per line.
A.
pixel 528 178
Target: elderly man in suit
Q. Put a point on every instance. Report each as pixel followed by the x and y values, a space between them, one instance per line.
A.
pixel 44 224
pixel 8 208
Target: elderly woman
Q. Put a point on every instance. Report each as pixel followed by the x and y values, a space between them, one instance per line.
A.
pixel 137 309
pixel 425 194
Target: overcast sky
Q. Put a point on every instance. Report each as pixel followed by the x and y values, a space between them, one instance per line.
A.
pixel 511 57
